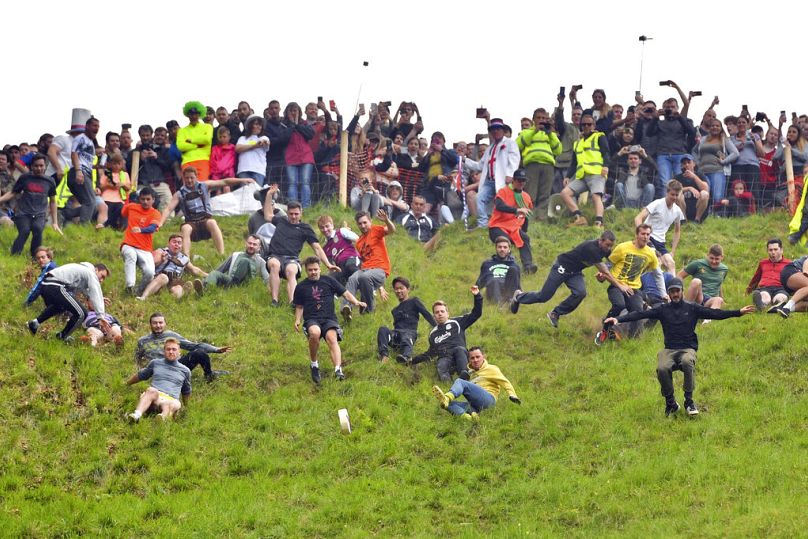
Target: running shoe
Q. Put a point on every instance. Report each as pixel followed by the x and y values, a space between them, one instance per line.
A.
pixel 315 375
pixel 33 326
pixel 601 337
pixel 757 299
pixel 443 398
pixel 339 375
pixel 347 315
pixel 690 406
pixel 515 304
pixel 671 409
pixel 199 287
pixel 552 316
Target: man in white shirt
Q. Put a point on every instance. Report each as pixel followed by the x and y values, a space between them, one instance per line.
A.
pixel 661 214
pixel 496 166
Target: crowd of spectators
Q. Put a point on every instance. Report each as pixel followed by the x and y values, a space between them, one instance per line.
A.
pixel 730 166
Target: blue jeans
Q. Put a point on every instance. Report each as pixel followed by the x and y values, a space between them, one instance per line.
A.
pixel 477 398
pixel 257 176
pixel 485 194
pixel 669 165
pixel 622 201
pixel 718 185
pixel 300 175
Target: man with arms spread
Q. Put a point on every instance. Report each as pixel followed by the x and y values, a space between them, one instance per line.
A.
pixel 500 275
pixel 314 310
pixel 405 324
pixel 678 319
pixel 481 391
pixel 765 286
pixel 170 380
pixel 661 214
pixel 287 242
pixel 375 260
pixel 193 198
pixel 708 276
pixel 149 347
pixel 568 269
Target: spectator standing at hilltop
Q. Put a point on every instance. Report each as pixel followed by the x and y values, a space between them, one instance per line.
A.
pixel 195 140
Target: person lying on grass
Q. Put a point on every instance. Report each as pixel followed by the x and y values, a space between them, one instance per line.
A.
pixel 481 391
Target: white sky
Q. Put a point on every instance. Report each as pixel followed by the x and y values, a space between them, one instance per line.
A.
pixel 140 64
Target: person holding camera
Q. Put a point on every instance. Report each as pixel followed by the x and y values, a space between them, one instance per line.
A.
pixel 539 146
pixel 674 133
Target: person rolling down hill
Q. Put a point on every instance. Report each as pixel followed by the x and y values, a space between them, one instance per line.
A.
pixel 481 391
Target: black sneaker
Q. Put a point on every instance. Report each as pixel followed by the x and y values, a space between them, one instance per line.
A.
pixel 783 311
pixel 552 316
pixel 672 408
pixel 464 375
pixel 531 269
pixel 690 406
pixel 401 358
pixel 339 375
pixel 347 316
pixel 315 375
pixel 214 375
pixel 774 306
pixel 514 303
pixel 276 303
pixel 757 299
pixel 33 326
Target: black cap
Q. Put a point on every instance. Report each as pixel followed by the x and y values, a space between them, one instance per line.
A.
pixel 519 174
pixel 676 282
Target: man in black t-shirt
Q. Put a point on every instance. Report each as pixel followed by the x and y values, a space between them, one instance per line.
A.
pixel 314 307
pixel 284 248
pixel 36 195
pixel 405 324
pixel 567 269
pixel 500 274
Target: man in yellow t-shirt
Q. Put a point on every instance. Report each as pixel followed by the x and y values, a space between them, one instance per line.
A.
pixel 630 260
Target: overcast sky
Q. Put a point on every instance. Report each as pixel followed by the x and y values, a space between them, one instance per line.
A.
pixel 140 64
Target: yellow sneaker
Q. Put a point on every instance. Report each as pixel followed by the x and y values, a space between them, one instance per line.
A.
pixel 473 416
pixel 442 397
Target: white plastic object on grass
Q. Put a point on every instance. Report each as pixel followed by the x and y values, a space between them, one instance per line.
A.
pixel 344 421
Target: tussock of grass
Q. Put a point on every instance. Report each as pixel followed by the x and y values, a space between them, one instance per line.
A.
pixel 259 453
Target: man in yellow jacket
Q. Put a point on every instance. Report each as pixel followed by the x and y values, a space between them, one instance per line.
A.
pixel 481 391
pixel 195 139
pixel 539 146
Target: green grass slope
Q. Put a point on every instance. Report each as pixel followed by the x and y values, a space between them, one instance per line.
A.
pixel 260 453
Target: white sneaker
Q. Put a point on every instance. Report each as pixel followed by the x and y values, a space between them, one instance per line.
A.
pixel 133 417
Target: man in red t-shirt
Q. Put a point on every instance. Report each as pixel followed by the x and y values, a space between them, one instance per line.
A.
pixel 765 286
pixel 375 261
pixel 136 249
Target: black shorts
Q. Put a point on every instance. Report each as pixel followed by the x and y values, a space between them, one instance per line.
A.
pixel 325 326
pixel 285 261
pixel 787 272
pixel 659 246
pixel 199 230
pixel 774 290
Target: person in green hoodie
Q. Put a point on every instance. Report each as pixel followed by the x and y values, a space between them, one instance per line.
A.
pixel 481 391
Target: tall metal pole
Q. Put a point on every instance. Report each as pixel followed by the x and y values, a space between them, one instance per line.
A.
pixel 643 39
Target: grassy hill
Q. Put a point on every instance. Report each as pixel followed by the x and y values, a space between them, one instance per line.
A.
pixel 260 453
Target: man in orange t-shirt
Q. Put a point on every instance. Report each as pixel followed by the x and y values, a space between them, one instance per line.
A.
pixel 375 261
pixel 136 249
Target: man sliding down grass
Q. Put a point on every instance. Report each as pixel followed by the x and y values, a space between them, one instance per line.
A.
pixel 481 392
pixel 170 379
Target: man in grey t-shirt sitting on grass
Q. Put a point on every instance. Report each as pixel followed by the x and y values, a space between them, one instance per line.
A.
pixel 170 381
